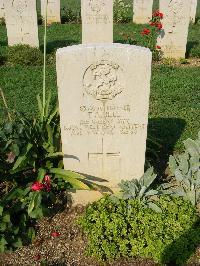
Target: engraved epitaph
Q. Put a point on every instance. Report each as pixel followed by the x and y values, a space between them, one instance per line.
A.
pixel 173 36
pixel 97 21
pixel 53 10
pixel 21 22
pixel 142 11
pixel 103 98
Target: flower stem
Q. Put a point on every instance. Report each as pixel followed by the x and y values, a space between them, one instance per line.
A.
pixel 44 64
pixel 5 104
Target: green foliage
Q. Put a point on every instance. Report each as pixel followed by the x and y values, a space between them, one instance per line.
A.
pixel 141 189
pixel 121 11
pixel 24 55
pixel 68 15
pixel 185 168
pixel 31 169
pixel 124 228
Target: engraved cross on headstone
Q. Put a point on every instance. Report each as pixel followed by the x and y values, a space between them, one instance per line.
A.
pixel 104 158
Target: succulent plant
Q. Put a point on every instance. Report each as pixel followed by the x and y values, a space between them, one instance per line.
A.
pixel 141 189
pixel 185 169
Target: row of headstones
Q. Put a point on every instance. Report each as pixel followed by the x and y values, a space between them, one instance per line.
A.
pixel 142 10
pixel 97 22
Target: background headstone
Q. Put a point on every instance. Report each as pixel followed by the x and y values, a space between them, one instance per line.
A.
pixel 142 11
pixel 173 36
pixel 193 10
pixel 2 11
pixel 21 22
pixel 53 10
pixel 104 99
pixel 97 21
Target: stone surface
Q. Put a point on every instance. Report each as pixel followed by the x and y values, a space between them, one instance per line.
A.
pixel 104 98
pixel 2 11
pixel 53 10
pixel 173 36
pixel 193 10
pixel 21 22
pixel 97 21
pixel 142 11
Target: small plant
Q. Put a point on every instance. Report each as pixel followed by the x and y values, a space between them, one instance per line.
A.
pixel 150 34
pixel 24 55
pixel 141 190
pixel 69 16
pixel 121 11
pixel 124 228
pixel 185 169
pixel 184 61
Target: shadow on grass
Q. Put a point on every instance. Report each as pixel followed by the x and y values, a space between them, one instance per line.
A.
pixel 189 47
pixel 163 134
pixel 54 45
pixel 182 248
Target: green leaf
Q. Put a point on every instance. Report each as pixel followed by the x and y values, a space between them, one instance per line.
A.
pixel 35 201
pixel 6 218
pixel 41 174
pixel 172 164
pixel 67 173
pixel 191 147
pixel 23 156
pixel 154 207
pixel 71 177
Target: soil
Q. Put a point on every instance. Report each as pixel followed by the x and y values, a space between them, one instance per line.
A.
pixel 66 249
pixel 190 62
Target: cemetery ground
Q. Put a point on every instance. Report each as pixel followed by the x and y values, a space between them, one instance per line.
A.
pixel 173 117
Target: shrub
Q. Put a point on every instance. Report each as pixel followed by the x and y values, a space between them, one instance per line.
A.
pixel 68 15
pixel 121 11
pixel 24 55
pixel 124 228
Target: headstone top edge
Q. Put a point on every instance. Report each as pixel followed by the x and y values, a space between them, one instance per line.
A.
pixel 103 46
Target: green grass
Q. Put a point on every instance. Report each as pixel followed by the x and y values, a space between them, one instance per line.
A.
pixel 175 92
pixel 174 103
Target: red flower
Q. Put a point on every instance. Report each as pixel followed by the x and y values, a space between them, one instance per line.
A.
pixel 47 185
pixel 146 31
pixel 37 257
pixel 157 14
pixel 37 186
pixel 159 25
pixel 55 234
pixel 158 47
pixel 47 179
pixel 152 23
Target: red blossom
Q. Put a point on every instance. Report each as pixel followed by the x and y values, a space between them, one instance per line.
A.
pixel 152 24
pixel 159 26
pixel 37 186
pixel 146 31
pixel 55 234
pixel 47 179
pixel 158 47
pixel 157 13
pixel 37 257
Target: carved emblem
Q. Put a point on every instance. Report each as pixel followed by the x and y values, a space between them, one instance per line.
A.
pixel 103 80
pixel 20 6
pixel 96 5
pixel 175 12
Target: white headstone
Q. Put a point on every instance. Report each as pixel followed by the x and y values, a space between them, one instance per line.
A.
pixel 21 22
pixel 142 11
pixel 97 21
pixel 53 10
pixel 104 99
pixel 173 36
pixel 193 10
pixel 2 11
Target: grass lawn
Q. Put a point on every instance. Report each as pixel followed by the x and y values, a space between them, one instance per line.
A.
pixel 175 91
